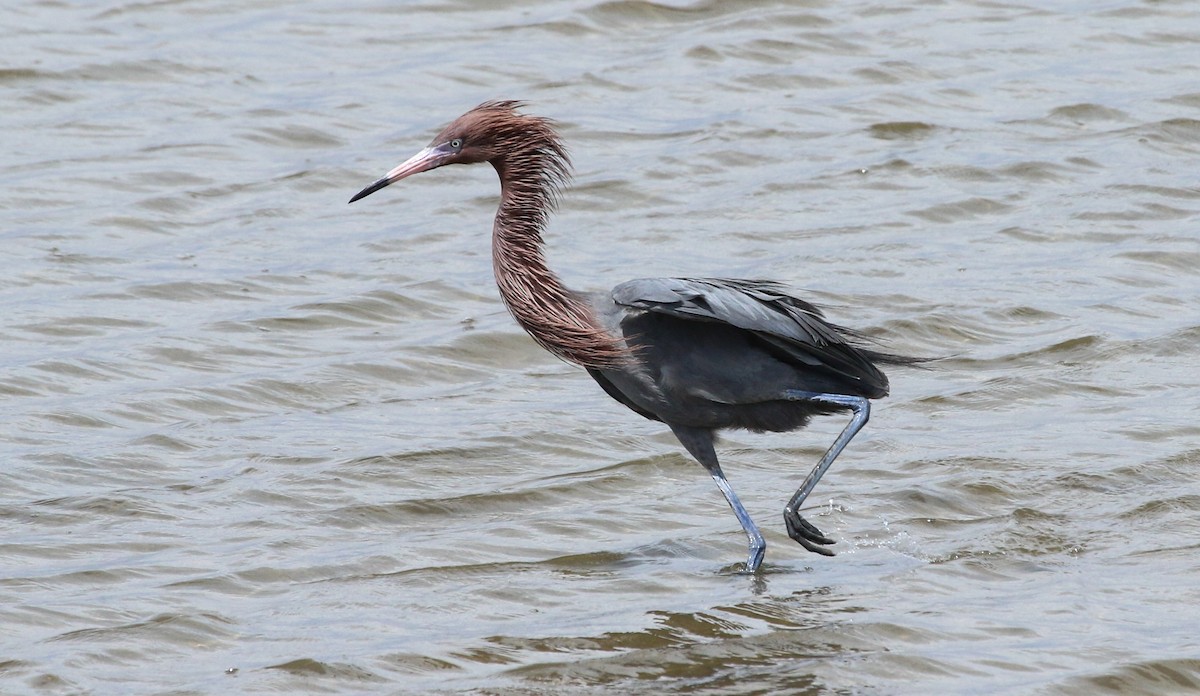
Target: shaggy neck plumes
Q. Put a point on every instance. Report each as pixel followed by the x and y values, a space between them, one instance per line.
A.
pixel 532 170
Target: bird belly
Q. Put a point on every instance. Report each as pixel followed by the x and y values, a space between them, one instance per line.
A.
pixel 697 386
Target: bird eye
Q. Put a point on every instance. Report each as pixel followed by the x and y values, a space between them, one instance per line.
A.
pixel 456 143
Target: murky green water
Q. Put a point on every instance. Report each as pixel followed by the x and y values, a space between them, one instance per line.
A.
pixel 257 441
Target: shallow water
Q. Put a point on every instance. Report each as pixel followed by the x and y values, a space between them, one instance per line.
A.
pixel 257 441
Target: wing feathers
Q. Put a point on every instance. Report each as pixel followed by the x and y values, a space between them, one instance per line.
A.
pixel 793 329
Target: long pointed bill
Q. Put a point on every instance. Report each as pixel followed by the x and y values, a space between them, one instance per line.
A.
pixel 423 161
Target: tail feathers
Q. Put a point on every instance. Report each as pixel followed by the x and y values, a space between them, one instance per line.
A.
pixel 880 358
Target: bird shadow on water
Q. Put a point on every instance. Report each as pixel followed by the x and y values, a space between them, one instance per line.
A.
pixel 674 557
pixel 779 640
pixel 759 581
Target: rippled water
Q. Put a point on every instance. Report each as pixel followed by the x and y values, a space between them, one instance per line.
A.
pixel 257 441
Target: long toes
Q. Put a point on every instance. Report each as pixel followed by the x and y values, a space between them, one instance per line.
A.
pixel 816 549
pixel 813 534
pixel 806 534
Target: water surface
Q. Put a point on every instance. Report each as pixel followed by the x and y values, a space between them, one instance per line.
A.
pixel 257 441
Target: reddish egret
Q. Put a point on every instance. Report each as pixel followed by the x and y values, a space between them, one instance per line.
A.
pixel 698 354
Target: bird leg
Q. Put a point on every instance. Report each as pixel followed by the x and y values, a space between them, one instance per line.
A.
pixel 799 528
pixel 699 442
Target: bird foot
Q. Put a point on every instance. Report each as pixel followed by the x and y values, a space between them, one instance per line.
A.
pixel 805 533
pixel 755 559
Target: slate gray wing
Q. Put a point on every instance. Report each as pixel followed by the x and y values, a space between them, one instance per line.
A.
pixel 791 328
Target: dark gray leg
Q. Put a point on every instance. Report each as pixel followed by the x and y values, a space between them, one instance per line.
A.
pixel 799 528
pixel 699 442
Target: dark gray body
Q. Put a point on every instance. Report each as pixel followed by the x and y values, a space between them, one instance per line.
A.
pixel 717 353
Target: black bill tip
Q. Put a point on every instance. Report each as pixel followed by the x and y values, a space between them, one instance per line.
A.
pixel 379 183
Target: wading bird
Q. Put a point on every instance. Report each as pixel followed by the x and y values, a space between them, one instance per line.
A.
pixel 698 354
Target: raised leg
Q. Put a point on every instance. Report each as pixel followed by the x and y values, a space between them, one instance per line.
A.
pixel 799 528
pixel 699 442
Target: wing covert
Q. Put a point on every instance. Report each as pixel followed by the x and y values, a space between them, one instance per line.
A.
pixel 788 325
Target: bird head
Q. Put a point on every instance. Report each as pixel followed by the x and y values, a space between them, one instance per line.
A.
pixel 491 132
